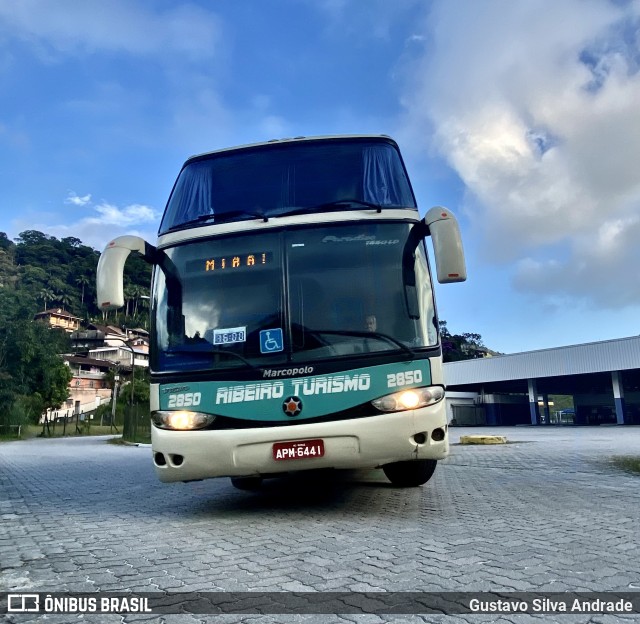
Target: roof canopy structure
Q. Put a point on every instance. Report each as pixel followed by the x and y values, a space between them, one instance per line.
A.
pixel 610 368
pixel 584 359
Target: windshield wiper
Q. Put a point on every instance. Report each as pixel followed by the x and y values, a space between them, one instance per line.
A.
pixel 369 334
pixel 219 217
pixel 339 204
pixel 213 351
pixel 227 215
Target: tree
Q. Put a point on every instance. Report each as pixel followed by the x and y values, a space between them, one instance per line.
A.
pixel 71 241
pixel 456 347
pixel 141 388
pixel 8 269
pixel 82 281
pixel 129 294
pixel 64 299
pixel 66 266
pixel 136 291
pixel 32 237
pixel 33 278
pixel 33 376
pixel 30 365
pixel 46 294
pixel 54 379
pixel 5 243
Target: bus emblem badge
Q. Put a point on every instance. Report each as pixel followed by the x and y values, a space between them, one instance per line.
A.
pixel 292 406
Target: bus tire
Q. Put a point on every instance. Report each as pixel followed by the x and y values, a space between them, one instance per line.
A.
pixel 410 473
pixel 246 483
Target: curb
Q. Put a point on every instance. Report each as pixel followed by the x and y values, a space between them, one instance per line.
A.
pixel 483 439
pixel 142 444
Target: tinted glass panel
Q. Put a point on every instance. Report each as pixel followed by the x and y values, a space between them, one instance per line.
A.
pixel 352 289
pixel 275 180
pixel 231 289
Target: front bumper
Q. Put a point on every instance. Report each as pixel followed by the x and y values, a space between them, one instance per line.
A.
pixel 349 444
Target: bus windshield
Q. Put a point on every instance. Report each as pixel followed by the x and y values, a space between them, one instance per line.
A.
pixel 289 178
pixel 299 294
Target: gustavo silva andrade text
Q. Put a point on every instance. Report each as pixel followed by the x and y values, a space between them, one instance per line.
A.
pixel 547 605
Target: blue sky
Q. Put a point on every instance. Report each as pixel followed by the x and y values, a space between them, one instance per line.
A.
pixel 522 117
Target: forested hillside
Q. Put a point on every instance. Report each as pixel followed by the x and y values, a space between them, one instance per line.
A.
pixel 38 272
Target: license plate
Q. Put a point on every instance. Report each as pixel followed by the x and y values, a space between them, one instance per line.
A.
pixel 302 449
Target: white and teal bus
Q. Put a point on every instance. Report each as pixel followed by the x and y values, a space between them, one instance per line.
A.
pixel 293 323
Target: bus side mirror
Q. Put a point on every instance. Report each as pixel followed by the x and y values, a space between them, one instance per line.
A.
pixel 447 245
pixel 109 283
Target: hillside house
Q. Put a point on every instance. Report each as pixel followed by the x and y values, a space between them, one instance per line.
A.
pixel 121 355
pixel 88 387
pixel 60 319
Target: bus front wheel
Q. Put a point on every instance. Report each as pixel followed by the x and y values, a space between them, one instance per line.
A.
pixel 410 473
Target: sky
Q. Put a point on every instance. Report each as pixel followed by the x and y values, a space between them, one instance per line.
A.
pixel 521 117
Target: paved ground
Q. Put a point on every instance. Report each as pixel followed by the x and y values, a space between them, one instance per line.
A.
pixel 546 512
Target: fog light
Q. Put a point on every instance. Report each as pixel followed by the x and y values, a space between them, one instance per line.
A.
pixel 438 435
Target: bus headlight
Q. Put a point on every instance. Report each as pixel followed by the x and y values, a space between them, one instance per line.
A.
pixel 181 420
pixel 409 399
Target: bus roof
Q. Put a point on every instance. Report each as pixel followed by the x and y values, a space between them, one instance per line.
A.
pixel 298 139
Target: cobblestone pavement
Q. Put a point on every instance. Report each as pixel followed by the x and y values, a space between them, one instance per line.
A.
pixel 546 512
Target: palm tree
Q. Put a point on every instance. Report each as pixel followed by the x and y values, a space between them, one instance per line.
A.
pixel 144 307
pixel 47 295
pixel 128 297
pixel 82 281
pixel 138 293
pixel 64 299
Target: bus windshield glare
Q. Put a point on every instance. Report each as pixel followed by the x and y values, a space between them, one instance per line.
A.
pixel 290 178
pixel 346 297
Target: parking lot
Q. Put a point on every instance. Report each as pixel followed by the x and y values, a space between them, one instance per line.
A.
pixel 546 512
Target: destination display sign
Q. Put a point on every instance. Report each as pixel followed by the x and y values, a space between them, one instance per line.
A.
pixel 231 262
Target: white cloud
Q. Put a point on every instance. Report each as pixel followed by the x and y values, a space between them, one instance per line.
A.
pixel 129 215
pixel 601 269
pixel 68 26
pixel 363 20
pixel 535 106
pixel 73 198
pixel 104 222
pixel 175 55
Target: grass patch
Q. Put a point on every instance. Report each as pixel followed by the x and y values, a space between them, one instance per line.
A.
pixel 83 429
pixel 9 438
pixel 35 431
pixel 627 463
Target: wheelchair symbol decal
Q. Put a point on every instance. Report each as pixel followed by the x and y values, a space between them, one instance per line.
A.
pixel 271 341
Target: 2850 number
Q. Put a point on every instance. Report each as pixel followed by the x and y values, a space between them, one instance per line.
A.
pixel 395 380
pixel 187 399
